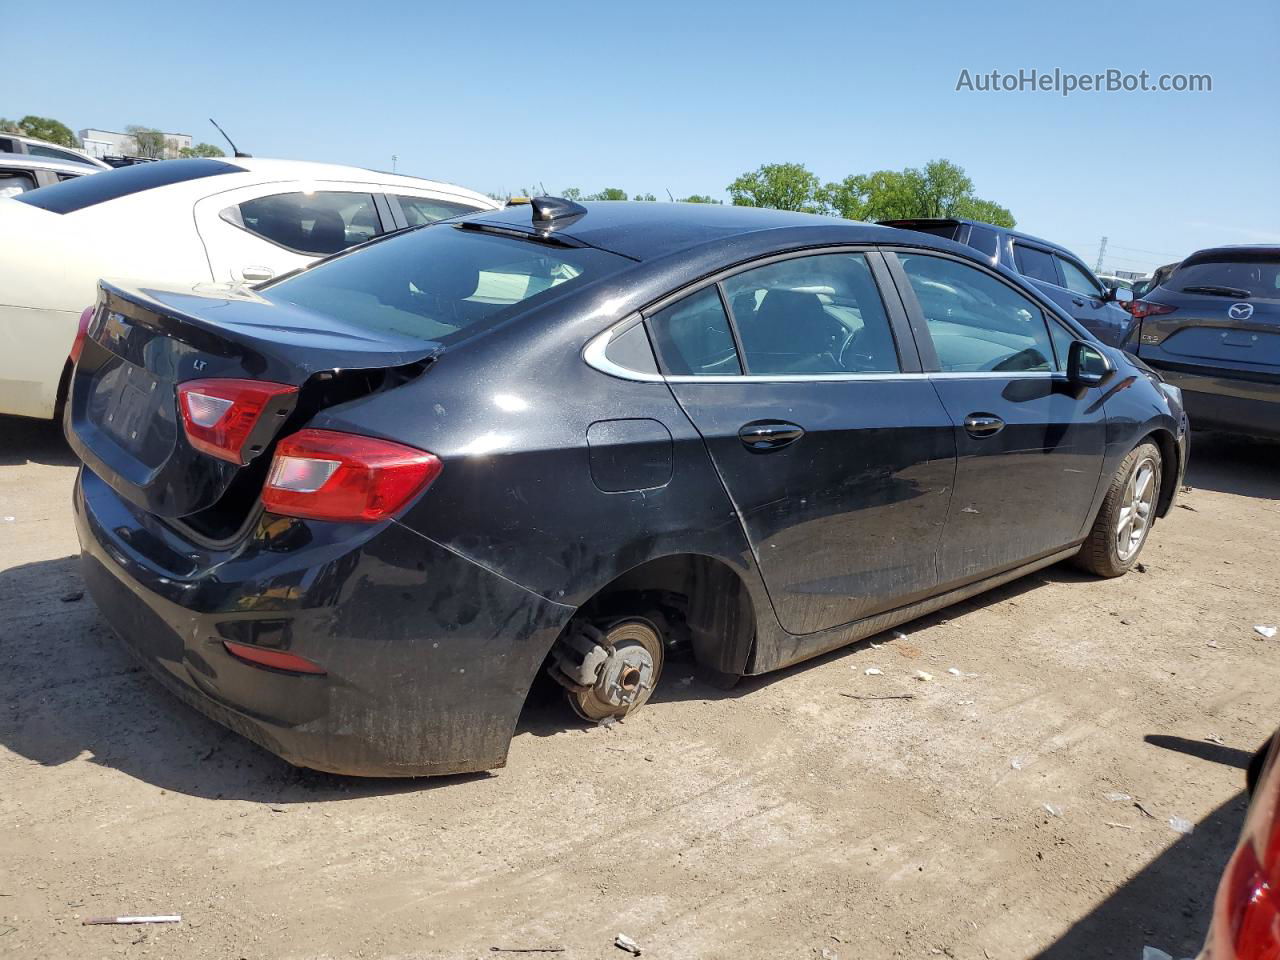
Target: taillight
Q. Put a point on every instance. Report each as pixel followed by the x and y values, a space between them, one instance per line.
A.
pixel 1246 921
pixel 327 475
pixel 219 416
pixel 82 331
pixel 1147 308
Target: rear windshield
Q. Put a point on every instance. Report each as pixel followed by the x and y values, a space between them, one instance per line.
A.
pixel 72 195
pixel 1236 277
pixel 441 282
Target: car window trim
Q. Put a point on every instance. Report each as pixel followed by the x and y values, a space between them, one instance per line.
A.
pixel 920 326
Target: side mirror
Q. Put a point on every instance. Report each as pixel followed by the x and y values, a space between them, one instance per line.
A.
pixel 1087 366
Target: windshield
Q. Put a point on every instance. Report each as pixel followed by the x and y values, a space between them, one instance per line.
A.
pixel 1232 278
pixel 439 282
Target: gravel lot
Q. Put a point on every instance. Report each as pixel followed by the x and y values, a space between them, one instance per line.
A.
pixel 777 820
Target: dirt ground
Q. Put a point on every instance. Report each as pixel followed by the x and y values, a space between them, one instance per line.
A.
pixel 777 820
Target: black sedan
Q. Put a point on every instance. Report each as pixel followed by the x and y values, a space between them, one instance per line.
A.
pixel 1211 325
pixel 353 513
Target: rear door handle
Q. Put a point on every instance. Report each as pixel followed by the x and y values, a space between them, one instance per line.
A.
pixel 1077 301
pixel 981 425
pixel 766 435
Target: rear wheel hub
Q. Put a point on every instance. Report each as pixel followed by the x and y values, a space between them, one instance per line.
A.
pixel 628 675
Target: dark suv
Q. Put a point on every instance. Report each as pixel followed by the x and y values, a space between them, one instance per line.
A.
pixel 1212 326
pixel 1054 269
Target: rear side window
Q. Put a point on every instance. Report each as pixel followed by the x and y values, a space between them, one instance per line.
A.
pixel 976 322
pixel 1076 280
pixel 315 224
pixel 1035 264
pixel 420 210
pixel 441 282
pixel 693 337
pixel 819 314
pixel 1251 277
pixel 985 240
pixel 73 195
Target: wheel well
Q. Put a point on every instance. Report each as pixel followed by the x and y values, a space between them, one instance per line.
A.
pixel 64 385
pixel 1168 477
pixel 701 600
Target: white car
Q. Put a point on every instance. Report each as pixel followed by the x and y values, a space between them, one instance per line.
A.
pixel 238 220
pixel 20 172
pixel 31 147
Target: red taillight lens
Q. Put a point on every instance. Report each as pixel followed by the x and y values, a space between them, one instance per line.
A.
pixel 276 659
pixel 1246 920
pixel 219 415
pixel 82 331
pixel 1145 308
pixel 326 475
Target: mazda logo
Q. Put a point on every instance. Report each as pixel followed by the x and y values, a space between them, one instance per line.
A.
pixel 1240 311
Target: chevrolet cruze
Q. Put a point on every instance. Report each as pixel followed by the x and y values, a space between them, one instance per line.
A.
pixel 354 512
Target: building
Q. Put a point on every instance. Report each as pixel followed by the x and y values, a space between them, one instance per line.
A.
pixel 108 143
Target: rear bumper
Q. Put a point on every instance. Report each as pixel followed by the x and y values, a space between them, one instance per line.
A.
pixel 1216 402
pixel 428 655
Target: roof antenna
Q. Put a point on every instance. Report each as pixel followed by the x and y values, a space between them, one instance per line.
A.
pixel 669 196
pixel 235 151
pixel 543 187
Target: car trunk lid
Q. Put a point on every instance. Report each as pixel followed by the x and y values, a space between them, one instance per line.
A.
pixel 124 418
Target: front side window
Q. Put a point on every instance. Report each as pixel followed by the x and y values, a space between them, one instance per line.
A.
pixel 70 156
pixel 1035 264
pixel 441 282
pixel 1077 280
pixel 316 224
pixel 420 210
pixel 977 323
pixel 693 337
pixel 819 314
pixel 13 184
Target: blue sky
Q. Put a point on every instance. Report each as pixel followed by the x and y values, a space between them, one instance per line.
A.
pixel 685 96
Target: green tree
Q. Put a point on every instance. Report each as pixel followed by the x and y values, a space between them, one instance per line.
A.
pixel 44 128
pixel 202 150
pixel 148 142
pixel 941 189
pixel 782 186
pixel 9 126
pixel 571 193
pixel 608 193
pixel 644 196
pixel 974 208
pixel 699 198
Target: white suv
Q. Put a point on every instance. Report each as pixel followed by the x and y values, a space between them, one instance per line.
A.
pixel 192 221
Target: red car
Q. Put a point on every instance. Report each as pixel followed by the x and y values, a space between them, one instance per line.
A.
pixel 1246 910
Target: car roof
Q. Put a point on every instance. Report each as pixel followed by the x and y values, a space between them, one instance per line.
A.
pixel 646 230
pixel 915 222
pixel 87 161
pixel 273 168
pixel 27 161
pixel 1252 250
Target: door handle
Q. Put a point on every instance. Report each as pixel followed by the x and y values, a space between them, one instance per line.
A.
pixel 764 435
pixel 979 425
pixel 1077 301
